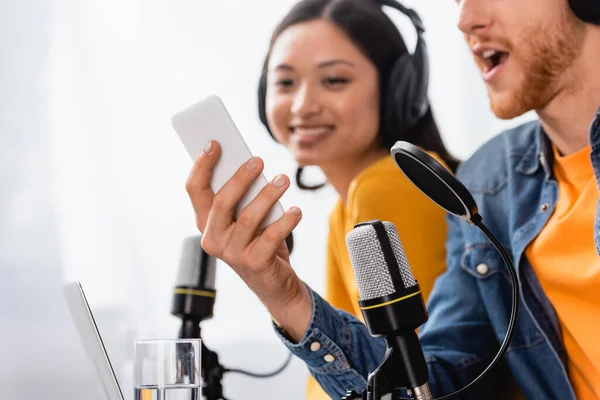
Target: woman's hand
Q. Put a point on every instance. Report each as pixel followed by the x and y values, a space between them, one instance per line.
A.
pixel 259 257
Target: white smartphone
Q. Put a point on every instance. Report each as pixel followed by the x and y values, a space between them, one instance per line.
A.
pixel 208 120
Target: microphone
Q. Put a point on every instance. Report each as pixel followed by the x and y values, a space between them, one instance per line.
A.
pixel 193 301
pixel 392 306
pixel 194 293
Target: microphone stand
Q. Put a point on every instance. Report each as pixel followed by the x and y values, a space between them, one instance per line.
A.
pixel 212 371
pixel 403 367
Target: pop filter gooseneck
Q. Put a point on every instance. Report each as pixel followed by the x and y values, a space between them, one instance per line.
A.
pixel 437 183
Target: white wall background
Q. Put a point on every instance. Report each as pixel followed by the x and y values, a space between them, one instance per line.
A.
pixel 92 176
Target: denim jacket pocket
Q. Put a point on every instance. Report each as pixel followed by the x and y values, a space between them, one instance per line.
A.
pixel 485 263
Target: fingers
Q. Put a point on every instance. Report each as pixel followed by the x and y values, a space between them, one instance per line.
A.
pixel 268 242
pixel 226 199
pixel 197 184
pixel 240 242
pixel 254 213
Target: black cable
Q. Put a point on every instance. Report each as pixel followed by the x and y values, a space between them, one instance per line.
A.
pixel 259 375
pixel 476 219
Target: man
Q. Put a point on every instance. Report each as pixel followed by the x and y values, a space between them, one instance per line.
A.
pixel 537 190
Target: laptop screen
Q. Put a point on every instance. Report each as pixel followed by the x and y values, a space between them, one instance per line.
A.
pixel 91 339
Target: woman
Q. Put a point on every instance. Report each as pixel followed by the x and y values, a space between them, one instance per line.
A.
pixel 328 93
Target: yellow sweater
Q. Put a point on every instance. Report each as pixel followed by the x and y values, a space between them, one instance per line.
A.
pixel 382 192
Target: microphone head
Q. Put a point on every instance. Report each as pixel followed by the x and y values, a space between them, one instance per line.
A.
pixel 196 268
pixel 390 296
pixel 371 264
pixel 194 293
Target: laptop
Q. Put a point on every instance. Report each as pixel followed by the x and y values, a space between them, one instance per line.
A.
pixel 91 339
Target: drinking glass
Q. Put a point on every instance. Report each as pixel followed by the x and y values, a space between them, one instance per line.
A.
pixel 167 369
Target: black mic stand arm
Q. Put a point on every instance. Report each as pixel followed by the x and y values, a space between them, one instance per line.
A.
pixel 212 371
pixel 403 366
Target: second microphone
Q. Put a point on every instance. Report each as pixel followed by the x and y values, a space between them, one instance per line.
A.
pixel 392 306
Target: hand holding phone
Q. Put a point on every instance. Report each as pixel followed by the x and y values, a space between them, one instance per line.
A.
pixel 209 120
pixel 257 255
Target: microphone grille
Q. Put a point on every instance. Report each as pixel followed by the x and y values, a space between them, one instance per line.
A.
pixel 369 264
pixel 196 268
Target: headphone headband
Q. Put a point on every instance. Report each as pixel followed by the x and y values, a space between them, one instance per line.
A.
pixel 409 12
pixel 410 77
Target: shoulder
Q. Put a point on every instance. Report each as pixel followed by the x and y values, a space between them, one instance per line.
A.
pixel 382 177
pixel 488 168
pixel 382 191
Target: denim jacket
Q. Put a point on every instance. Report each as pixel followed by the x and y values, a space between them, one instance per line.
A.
pixel 512 182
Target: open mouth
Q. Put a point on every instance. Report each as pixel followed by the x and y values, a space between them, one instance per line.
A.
pixel 492 60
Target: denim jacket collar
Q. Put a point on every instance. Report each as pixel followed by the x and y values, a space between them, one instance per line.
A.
pixel 595 127
pixel 540 152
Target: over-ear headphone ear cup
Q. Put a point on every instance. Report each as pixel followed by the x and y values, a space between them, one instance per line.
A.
pixel 396 101
pixel 420 63
pixel 403 90
pixel 586 10
pixel 409 78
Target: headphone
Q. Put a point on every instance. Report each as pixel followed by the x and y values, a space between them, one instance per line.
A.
pixel 405 94
pixel 587 10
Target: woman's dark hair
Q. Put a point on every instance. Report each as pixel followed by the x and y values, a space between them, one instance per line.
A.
pixel 374 33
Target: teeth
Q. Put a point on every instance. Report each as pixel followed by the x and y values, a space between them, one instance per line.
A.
pixel 489 53
pixel 311 131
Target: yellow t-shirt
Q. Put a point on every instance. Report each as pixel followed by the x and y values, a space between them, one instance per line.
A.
pixel 565 260
pixel 383 192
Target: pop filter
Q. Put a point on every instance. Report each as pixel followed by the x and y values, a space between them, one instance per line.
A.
pixel 435 181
